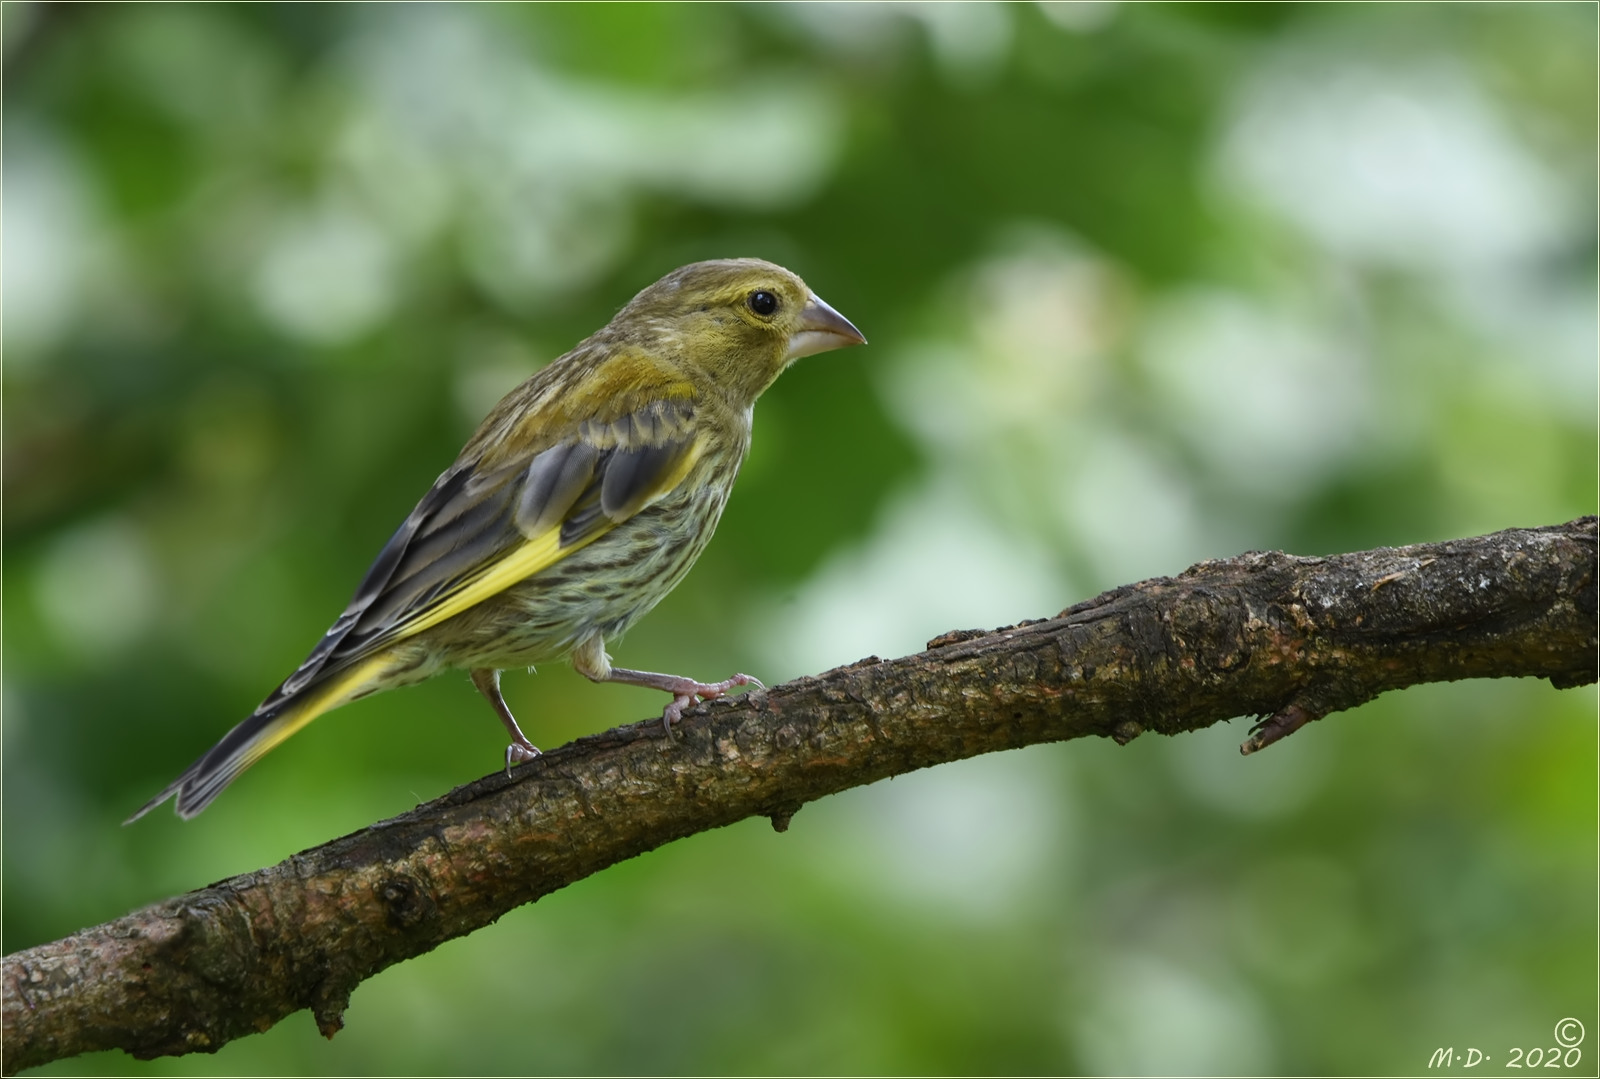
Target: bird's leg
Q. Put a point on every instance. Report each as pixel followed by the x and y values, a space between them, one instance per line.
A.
pixel 684 690
pixel 590 660
pixel 520 750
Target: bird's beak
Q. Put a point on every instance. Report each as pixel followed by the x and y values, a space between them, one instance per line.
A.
pixel 821 330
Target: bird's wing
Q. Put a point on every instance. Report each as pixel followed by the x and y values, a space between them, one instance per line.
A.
pixel 485 527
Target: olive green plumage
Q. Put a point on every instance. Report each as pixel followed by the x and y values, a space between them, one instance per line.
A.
pixel 582 499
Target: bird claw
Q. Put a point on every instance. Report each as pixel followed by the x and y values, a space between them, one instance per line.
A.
pixel 692 691
pixel 517 753
pixel 674 712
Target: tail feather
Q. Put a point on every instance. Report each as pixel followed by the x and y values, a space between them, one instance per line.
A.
pixel 220 765
pixel 252 739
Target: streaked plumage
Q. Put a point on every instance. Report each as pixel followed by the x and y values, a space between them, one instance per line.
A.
pixel 582 500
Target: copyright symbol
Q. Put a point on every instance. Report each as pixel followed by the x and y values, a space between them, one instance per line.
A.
pixel 1569 1032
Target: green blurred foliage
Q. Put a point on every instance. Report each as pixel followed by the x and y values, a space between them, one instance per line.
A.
pixel 1145 284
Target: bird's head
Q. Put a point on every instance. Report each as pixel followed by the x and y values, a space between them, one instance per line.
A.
pixel 741 321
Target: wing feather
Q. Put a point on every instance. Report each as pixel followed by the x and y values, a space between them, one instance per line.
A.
pixel 556 479
pixel 478 532
pixel 631 476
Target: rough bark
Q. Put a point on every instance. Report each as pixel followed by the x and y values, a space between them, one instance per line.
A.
pixel 1272 635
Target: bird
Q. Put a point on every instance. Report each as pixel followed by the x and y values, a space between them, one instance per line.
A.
pixel 582 499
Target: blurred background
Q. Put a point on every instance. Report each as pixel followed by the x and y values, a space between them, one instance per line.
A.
pixel 1144 284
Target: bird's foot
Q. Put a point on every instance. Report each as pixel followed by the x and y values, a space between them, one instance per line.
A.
pixel 520 753
pixel 686 691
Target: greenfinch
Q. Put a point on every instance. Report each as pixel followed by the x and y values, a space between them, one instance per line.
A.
pixel 582 500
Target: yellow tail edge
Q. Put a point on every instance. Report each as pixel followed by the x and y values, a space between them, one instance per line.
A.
pixel 258 735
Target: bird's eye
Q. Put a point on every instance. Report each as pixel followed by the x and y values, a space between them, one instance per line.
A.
pixel 763 302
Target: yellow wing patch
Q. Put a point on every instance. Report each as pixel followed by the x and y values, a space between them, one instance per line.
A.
pixel 526 560
pixel 326 698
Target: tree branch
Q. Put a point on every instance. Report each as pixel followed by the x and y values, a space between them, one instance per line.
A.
pixel 1290 638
